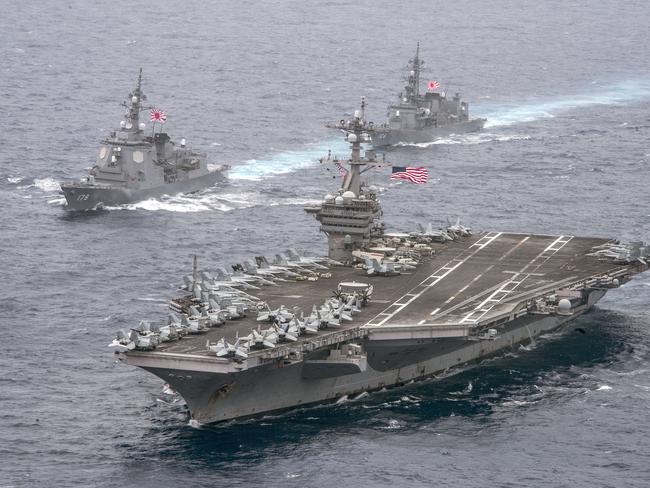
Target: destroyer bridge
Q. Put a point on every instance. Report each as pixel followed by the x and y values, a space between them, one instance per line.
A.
pixel 461 290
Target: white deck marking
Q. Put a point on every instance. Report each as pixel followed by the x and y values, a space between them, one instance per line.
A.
pixel 431 281
pixel 509 286
pixel 434 312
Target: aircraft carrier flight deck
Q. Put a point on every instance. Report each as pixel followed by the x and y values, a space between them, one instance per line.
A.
pixel 463 284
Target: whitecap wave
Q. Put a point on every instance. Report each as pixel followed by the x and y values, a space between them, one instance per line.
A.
pixel 14 180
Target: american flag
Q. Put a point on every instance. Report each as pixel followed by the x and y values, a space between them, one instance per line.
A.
pixel 433 85
pixel 414 175
pixel 158 115
pixel 342 170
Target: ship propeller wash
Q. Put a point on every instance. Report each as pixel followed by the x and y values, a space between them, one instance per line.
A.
pixel 417 117
pixel 381 309
pixel 135 165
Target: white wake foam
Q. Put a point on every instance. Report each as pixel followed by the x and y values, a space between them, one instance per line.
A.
pixel 212 201
pixel 44 184
pixel 286 162
pixel 467 139
pixel 614 94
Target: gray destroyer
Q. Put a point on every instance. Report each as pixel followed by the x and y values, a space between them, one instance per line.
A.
pixel 133 166
pixel 417 117
pixel 381 309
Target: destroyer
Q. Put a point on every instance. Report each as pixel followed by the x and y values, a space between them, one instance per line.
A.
pixel 382 309
pixel 133 166
pixel 423 118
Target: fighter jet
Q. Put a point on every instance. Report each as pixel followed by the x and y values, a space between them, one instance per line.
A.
pixel 251 269
pixel 439 235
pixel 263 264
pixel 165 333
pixel 144 341
pixel 280 314
pixel 238 350
pixel 181 330
pixel 375 268
pixel 458 229
pixel 192 324
pixel 286 332
pixel 260 339
pixel 216 315
pixel 122 342
pixel 305 262
pixel 304 326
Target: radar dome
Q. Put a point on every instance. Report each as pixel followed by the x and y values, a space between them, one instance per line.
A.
pixel 329 198
pixel 615 282
pixel 349 195
pixel 352 138
pixel 564 305
pixel 338 200
pixel 357 114
pixel 122 124
pixel 142 125
pixel 134 99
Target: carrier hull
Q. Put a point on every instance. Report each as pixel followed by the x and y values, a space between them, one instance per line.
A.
pixel 213 397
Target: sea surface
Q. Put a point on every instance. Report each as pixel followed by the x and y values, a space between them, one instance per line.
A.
pixel 565 87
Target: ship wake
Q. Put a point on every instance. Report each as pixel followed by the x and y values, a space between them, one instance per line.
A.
pixel 285 162
pixel 615 94
pixel 210 200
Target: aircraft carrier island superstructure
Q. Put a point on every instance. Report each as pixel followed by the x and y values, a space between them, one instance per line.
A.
pixel 382 309
pixel 133 165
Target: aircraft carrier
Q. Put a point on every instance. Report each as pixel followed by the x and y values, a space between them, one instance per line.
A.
pixel 381 309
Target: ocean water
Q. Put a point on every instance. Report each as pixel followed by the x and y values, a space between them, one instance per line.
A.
pixel 566 90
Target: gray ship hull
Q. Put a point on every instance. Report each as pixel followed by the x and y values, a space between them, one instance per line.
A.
pixel 215 397
pixel 390 137
pixel 83 196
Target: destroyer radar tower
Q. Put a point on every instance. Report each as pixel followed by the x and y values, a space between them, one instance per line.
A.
pixel 351 217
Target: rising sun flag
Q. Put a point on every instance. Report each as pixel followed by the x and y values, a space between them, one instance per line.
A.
pixel 158 115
